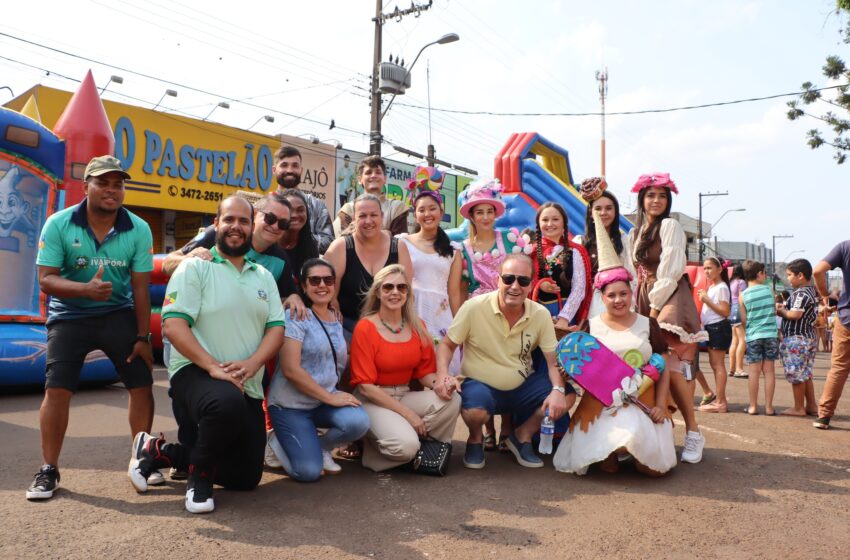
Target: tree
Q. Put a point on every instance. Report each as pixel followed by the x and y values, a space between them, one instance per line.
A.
pixel 836 116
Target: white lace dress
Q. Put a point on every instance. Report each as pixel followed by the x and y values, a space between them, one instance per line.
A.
pixel 430 289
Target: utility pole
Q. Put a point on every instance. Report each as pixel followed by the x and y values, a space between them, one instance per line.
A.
pixel 701 245
pixel 375 137
pixel 602 79
pixel 431 155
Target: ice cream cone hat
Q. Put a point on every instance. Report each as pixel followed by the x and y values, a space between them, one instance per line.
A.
pixel 610 267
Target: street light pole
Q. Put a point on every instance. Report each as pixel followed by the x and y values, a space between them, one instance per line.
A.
pixel 701 246
pixel 375 128
pixel 773 258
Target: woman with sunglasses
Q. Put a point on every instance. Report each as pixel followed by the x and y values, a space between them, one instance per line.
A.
pixel 436 264
pixel 562 269
pixel 356 257
pixel 664 293
pixel 604 204
pixel 303 394
pixel 298 240
pixel 390 348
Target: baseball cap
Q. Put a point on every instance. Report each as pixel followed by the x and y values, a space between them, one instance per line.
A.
pixel 102 165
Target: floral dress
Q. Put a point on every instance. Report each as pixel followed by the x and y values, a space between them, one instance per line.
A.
pixel 430 291
pixel 481 270
pixel 574 307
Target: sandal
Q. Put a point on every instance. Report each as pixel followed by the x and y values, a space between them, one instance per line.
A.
pixel 713 407
pixel 708 399
pixel 503 443
pixel 489 442
pixel 352 451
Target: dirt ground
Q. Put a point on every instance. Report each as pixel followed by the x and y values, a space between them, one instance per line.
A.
pixel 768 487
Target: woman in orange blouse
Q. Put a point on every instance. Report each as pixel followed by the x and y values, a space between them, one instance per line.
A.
pixel 391 347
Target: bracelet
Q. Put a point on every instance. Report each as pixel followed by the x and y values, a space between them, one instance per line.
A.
pixel 561 390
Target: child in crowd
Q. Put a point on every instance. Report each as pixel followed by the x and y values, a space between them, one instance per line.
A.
pixel 757 316
pixel 799 345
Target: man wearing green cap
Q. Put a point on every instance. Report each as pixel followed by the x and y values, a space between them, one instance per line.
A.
pixel 94 260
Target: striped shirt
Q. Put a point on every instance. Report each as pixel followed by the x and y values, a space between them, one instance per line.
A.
pixel 761 312
pixel 802 299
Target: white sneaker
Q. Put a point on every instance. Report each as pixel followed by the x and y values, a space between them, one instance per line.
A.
pixel 279 453
pixel 156 479
pixel 329 466
pixel 270 458
pixel 692 452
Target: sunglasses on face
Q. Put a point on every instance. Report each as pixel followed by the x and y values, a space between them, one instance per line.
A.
pixel 271 220
pixel 388 288
pixel 509 279
pixel 316 280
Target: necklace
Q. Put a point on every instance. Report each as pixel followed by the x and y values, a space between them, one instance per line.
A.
pixel 389 328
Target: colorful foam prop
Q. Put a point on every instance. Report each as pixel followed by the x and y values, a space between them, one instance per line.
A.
pixel 603 373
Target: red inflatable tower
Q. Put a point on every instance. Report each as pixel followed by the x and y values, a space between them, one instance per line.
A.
pixel 85 128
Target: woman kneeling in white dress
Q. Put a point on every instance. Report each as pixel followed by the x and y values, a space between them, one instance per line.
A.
pixel 609 436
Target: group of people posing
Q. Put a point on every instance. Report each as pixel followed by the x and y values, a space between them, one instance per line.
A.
pixel 385 339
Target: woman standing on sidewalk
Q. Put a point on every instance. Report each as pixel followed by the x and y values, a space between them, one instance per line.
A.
pixel 739 345
pixel 664 293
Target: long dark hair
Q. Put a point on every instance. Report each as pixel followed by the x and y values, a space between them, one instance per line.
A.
pixel 738 272
pixel 651 233
pixel 724 274
pixel 566 257
pixel 613 232
pixel 308 265
pixel 442 244
pixel 306 247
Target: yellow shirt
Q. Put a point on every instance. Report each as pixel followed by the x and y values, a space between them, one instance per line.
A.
pixel 493 352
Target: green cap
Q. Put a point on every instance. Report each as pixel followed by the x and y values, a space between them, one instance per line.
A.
pixel 102 165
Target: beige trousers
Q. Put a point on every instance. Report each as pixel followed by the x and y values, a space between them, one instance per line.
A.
pixel 391 441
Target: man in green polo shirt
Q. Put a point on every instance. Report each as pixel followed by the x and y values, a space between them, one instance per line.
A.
pixel 225 320
pixel 500 332
pixel 94 260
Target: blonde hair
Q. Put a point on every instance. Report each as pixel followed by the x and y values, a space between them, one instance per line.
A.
pixel 372 304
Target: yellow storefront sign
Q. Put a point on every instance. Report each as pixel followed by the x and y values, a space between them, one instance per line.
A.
pixel 180 163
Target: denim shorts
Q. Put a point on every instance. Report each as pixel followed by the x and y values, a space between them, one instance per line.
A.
pixel 761 350
pixel 798 358
pixel 719 335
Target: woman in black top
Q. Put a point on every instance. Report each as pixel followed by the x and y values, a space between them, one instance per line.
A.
pixel 358 256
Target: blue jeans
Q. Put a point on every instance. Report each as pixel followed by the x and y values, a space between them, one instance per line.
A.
pixel 295 429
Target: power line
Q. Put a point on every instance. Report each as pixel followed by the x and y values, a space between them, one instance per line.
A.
pixel 641 112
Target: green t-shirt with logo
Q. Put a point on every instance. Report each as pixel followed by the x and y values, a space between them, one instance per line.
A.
pixel 67 243
pixel 228 310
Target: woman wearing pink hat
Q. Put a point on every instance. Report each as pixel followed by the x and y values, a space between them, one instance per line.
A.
pixel 664 293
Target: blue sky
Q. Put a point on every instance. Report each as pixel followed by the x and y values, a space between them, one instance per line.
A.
pixel 311 59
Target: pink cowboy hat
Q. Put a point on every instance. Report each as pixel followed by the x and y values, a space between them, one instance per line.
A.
pixel 482 191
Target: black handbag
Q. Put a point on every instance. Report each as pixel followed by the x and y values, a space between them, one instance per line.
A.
pixel 432 458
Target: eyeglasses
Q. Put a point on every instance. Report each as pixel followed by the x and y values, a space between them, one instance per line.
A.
pixel 271 219
pixel 388 288
pixel 509 279
pixel 316 280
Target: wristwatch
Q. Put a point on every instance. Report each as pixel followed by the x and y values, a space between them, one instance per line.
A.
pixel 146 338
pixel 561 390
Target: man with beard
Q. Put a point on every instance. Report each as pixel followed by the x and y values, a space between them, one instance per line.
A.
pixel 94 260
pixel 224 320
pixel 271 220
pixel 287 171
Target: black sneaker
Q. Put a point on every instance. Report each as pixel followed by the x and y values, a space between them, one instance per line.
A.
pixel 199 491
pixel 44 484
pixel 821 423
pixel 146 457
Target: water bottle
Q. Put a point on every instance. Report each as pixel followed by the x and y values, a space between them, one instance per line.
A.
pixel 547 431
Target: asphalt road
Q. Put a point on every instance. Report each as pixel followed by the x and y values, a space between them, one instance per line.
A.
pixel 768 487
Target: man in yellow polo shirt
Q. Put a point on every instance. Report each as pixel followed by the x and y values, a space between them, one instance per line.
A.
pixel 225 320
pixel 499 332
